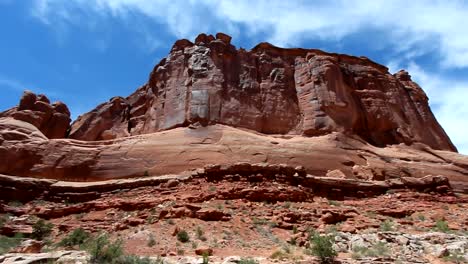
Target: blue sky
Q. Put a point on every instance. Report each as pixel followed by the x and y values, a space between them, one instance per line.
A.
pixel 83 52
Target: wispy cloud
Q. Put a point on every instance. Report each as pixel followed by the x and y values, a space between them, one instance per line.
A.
pixel 412 26
pixel 19 86
pixel 11 84
pixel 411 30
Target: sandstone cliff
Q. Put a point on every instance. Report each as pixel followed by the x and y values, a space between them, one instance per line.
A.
pixel 273 91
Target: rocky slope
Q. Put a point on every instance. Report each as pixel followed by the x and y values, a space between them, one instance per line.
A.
pixel 242 211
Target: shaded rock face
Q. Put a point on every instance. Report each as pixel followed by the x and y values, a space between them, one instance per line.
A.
pixel 273 91
pixel 53 120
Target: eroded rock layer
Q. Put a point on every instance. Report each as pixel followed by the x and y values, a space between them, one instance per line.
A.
pixel 27 152
pixel 273 91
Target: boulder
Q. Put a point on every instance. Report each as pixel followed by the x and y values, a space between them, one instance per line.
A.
pixel 204 251
pixel 53 120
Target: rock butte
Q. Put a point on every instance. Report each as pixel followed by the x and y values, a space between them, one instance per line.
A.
pixel 208 102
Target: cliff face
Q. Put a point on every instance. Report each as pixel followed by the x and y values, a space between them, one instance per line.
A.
pixel 273 91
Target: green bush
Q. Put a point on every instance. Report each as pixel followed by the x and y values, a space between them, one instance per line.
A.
pixel 421 217
pixel 183 236
pixel 206 258
pixel 322 247
pixel 334 203
pixel 7 243
pixel 442 226
pixel 41 229
pixel 77 238
pixel 102 250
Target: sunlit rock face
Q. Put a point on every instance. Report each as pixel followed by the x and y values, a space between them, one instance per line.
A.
pixel 335 115
pixel 273 91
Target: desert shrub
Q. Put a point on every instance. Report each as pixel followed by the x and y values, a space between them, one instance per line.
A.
pixel 455 257
pixel 146 173
pixel 200 234
pixel 151 241
pixel 322 247
pixel 247 261
pixel 102 250
pixel 259 221
pixel 77 238
pixel 294 230
pixel 284 254
pixel 279 254
pixel 386 226
pixel 41 229
pixel 15 203
pixel 7 243
pixel 3 219
pixel 442 226
pixel 334 203
pixel 421 217
pixel 206 258
pixel 132 259
pixel 183 236
pixel 379 249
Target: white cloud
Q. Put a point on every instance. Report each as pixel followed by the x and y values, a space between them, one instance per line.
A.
pixel 411 29
pixel 18 86
pixel 412 26
pixel 11 84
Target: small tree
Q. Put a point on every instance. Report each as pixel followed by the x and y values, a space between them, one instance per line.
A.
pixel 322 247
pixel 41 229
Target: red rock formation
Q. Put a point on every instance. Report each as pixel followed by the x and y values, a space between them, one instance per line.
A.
pixel 344 117
pixel 273 91
pixel 53 120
